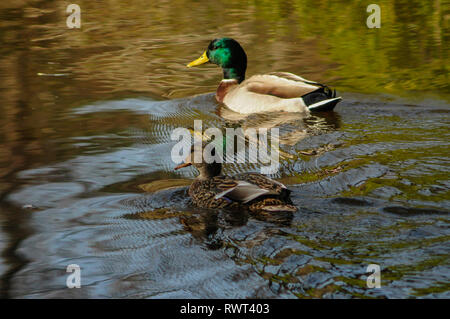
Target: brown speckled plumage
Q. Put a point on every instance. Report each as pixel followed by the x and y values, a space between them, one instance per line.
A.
pixel 251 191
pixel 203 193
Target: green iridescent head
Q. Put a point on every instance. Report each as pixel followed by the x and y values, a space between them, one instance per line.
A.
pixel 228 54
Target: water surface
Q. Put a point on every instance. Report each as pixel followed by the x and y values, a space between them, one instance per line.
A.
pixel 86 176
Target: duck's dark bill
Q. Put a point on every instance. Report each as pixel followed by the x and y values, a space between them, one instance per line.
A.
pixel 182 165
pixel 325 105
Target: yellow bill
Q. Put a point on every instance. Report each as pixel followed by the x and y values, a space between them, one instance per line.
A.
pixel 200 60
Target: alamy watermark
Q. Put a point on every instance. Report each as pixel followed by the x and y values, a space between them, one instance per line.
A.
pixel 74 279
pixel 258 146
pixel 374 20
pixel 74 19
pixel 374 279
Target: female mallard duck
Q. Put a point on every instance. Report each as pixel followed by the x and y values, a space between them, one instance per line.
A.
pixel 251 191
pixel 279 91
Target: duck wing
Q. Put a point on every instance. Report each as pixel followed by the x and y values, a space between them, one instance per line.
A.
pixel 242 190
pixel 285 87
pixel 321 99
pixel 295 78
pixel 263 182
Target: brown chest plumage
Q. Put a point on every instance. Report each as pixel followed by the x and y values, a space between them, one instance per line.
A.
pixel 224 88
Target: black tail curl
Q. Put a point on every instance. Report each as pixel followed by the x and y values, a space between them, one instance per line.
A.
pixel 323 93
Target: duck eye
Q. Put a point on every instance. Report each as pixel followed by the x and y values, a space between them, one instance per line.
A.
pixel 213 44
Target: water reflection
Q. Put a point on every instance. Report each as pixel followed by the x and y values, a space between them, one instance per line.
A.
pixel 86 120
pixel 294 126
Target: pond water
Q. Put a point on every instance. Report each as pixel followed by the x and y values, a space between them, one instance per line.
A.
pixel 86 175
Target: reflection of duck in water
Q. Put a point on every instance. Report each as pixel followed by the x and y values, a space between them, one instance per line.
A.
pixel 294 127
pixel 251 191
pixel 208 225
pixel 262 93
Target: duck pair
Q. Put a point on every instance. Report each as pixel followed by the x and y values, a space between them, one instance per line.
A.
pixel 273 92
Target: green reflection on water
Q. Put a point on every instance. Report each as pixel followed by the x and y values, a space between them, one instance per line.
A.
pixel 141 47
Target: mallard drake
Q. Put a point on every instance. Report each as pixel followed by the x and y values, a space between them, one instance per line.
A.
pixel 251 191
pixel 278 91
